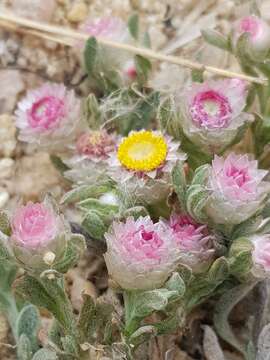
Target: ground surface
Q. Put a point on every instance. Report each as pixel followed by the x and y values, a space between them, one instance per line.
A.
pixel 26 62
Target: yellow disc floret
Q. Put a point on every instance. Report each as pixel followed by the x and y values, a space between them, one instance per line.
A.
pixel 142 151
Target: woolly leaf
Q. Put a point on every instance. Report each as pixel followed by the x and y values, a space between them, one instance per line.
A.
pixel 211 347
pixel 222 311
pixel 179 183
pixel 90 55
pixel 45 354
pixel 143 68
pixel 216 39
pixel 264 344
pixel 24 349
pixel 94 225
pixel 28 323
pixel 133 26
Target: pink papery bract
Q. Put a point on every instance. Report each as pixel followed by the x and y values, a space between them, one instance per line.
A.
pixel 48 116
pixel 193 240
pixel 212 113
pixel 141 254
pixel 34 226
pixel 237 189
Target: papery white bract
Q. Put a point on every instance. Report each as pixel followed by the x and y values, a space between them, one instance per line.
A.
pixel 143 164
pixel 258 32
pixel 237 189
pixel 212 113
pixel 48 116
pixel 193 240
pixel 141 254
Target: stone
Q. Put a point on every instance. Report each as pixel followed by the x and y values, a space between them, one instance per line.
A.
pixel 7 135
pixel 4 197
pixel 78 12
pixel 6 168
pixel 35 9
pixel 12 82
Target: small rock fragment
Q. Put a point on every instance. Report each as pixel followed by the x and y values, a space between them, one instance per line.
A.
pixel 11 82
pixel 7 135
pixel 78 12
pixel 35 9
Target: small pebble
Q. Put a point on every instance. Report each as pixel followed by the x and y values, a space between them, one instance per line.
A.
pixel 78 12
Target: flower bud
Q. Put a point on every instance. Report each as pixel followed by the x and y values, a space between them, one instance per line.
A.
pixel 141 254
pixel 237 189
pixel 48 116
pixel 90 157
pixel 258 36
pixel 212 113
pixel 193 240
pixel 39 235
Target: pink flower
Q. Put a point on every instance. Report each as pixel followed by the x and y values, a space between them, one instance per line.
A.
pixel 34 226
pixel 140 254
pixel 48 116
pixel 237 189
pixel 96 145
pixel 193 240
pixel 92 150
pixel 259 35
pixel 212 113
pixel 189 235
pixel 261 255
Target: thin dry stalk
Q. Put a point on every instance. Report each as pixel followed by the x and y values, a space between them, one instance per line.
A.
pixel 38 29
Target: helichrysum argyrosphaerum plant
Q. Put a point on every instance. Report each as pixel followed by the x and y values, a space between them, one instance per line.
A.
pixel 158 185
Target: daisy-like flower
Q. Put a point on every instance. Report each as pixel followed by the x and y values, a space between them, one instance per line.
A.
pixel 258 34
pixel 193 241
pixel 237 189
pixel 261 255
pixel 115 29
pixel 48 116
pixel 141 254
pixel 92 151
pixel 39 234
pixel 212 113
pixel 143 163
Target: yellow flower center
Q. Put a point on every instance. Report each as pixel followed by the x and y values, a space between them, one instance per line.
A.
pixel 142 151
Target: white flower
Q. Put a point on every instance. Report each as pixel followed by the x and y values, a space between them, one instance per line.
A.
pixel 143 164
